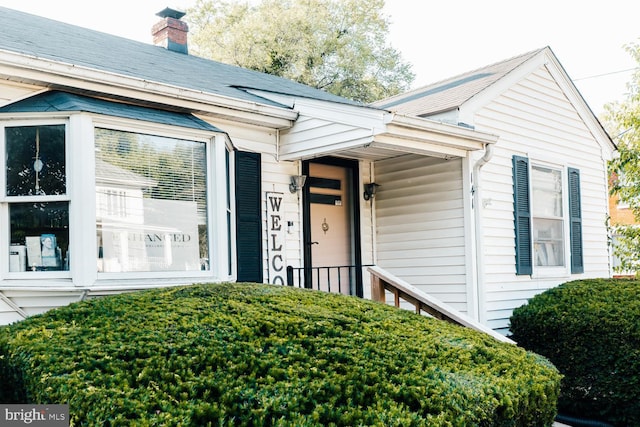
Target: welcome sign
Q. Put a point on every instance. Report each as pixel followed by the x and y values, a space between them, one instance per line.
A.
pixel 277 269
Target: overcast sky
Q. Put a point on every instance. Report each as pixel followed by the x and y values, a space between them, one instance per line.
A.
pixel 442 38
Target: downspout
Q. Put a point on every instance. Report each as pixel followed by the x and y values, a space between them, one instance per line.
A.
pixel 477 210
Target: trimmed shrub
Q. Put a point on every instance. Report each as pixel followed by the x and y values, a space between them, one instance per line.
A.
pixel 243 354
pixel 590 330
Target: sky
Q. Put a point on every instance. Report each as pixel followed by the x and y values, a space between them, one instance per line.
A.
pixel 442 38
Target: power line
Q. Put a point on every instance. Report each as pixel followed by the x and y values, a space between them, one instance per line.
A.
pixel 622 133
pixel 606 74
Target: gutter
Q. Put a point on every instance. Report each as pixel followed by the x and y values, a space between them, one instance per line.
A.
pixel 45 72
pixel 440 128
pixel 476 191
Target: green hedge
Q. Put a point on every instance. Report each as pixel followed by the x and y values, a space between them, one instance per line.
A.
pixel 241 354
pixel 590 330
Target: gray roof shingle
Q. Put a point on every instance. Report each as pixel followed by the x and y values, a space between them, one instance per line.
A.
pixel 62 101
pixel 451 93
pixel 45 38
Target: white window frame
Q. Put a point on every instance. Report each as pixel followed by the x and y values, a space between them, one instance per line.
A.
pixel 214 163
pixel 81 196
pixel 563 271
pixel 6 201
pixel 231 211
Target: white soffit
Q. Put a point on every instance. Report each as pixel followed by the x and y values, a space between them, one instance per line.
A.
pixel 403 135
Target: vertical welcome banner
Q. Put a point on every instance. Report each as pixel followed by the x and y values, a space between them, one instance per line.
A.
pixel 277 269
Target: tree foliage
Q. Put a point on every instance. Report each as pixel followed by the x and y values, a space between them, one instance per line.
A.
pixel 623 123
pixel 336 45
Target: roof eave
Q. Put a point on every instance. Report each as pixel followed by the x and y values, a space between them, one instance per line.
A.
pixel 407 126
pixel 54 74
pixel 584 108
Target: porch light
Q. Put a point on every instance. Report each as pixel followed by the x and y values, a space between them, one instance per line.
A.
pixel 370 190
pixel 297 182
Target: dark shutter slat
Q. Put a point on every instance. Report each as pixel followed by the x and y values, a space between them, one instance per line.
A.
pixel 575 217
pixel 522 215
pixel 248 216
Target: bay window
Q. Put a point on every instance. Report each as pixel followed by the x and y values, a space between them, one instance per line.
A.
pixel 94 191
pixel 151 203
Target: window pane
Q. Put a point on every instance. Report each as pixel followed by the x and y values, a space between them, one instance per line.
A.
pixel 39 236
pixel 547 221
pixel 151 204
pixel 548 242
pixel 35 160
pixel 547 192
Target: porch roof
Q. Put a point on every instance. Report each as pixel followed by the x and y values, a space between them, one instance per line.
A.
pixel 415 135
pixel 395 135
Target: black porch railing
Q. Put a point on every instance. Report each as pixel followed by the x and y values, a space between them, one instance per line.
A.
pixel 344 279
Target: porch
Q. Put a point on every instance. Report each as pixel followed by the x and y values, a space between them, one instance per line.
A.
pixel 385 288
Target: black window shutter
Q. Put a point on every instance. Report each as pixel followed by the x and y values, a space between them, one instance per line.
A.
pixel 522 214
pixel 575 218
pixel 248 217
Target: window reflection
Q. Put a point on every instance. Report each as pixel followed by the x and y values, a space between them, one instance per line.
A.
pixel 547 221
pixel 150 203
pixel 39 236
pixel 35 160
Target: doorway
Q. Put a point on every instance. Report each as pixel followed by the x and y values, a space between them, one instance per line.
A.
pixel 332 249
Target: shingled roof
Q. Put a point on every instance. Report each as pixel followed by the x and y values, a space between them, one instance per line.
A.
pixel 451 93
pixel 40 37
pixel 62 101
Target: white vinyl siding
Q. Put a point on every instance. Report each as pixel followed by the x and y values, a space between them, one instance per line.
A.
pixel 420 225
pixel 328 129
pixel 32 302
pixel 534 119
pixel 10 91
pixel 276 176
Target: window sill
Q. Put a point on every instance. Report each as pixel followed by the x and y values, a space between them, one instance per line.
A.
pixel 39 275
pixel 551 273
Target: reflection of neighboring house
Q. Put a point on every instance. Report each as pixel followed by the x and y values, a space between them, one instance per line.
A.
pixel 119 194
pixel 119 211
pixel 481 201
pixel 132 229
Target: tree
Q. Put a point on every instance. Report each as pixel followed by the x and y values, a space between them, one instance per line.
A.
pixel 336 45
pixel 623 122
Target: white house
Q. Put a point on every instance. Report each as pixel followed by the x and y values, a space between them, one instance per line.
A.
pixel 152 167
pixel 539 195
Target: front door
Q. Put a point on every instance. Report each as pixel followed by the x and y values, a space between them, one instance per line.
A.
pixel 332 253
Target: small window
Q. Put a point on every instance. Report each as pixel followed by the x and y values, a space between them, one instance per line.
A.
pixel 547 222
pixel 547 218
pixel 36 186
pixel 39 236
pixel 35 160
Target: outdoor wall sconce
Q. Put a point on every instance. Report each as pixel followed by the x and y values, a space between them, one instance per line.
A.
pixel 297 182
pixel 370 190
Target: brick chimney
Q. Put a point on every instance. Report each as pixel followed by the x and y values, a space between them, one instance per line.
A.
pixel 171 32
